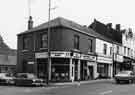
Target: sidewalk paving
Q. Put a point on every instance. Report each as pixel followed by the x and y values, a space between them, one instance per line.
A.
pixel 78 83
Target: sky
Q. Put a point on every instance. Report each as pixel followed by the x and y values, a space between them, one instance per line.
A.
pixel 14 14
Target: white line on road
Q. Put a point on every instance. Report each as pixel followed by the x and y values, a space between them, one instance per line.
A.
pixel 105 92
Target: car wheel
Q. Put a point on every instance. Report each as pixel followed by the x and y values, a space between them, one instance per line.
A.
pixel 117 81
pixel 130 81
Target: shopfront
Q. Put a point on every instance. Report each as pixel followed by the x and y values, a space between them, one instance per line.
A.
pixel 60 66
pixel 64 67
pixel 117 63
pixel 41 64
pixel 104 67
pixel 88 67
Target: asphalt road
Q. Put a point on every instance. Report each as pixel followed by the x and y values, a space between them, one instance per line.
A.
pixel 99 88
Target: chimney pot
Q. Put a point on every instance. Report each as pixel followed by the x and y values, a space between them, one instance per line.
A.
pixel 30 23
pixel 118 27
pixel 109 25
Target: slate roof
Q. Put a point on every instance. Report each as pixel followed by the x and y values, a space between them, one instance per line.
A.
pixel 59 21
pixel 106 32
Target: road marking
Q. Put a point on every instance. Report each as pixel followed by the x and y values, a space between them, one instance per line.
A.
pixel 106 92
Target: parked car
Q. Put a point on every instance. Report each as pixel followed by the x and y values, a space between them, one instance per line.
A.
pixel 6 78
pixel 128 76
pixel 28 79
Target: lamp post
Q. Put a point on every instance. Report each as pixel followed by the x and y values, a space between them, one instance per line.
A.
pixel 48 35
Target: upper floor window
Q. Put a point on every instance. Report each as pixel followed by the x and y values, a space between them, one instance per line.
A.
pixel 25 43
pixel 111 50
pixel 117 50
pixel 76 42
pixel 124 50
pixel 44 41
pixel 105 49
pixel 128 51
pixel 90 41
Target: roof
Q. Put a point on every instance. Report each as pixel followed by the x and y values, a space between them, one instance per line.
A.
pixel 108 33
pixel 59 21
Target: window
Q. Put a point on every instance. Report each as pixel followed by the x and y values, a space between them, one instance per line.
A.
pixel 128 51
pixel 124 50
pixel 111 50
pixel 44 41
pixel 76 42
pixel 117 50
pixel 25 43
pixel 105 49
pixel 90 45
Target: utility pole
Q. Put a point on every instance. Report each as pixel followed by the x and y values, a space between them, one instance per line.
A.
pixel 48 35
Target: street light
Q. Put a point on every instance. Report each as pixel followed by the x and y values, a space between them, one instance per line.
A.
pixel 48 65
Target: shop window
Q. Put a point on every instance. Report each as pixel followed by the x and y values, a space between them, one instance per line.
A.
pixel 60 70
pixel 25 43
pixel 90 41
pixel 105 49
pixel 76 42
pixel 44 40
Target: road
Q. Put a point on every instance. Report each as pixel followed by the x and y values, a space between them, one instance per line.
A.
pixel 100 88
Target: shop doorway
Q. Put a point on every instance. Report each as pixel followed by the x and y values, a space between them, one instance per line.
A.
pixel 42 68
pixel 90 72
pixel 75 62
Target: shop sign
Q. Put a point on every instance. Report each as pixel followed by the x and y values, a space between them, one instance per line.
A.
pixel 76 55
pixel 41 55
pixel 118 58
pixel 104 60
pixel 60 54
pixel 88 57
pixel 30 62
pixel 133 64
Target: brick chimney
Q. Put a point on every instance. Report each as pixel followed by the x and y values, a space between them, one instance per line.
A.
pixel 109 25
pixel 117 27
pixel 30 23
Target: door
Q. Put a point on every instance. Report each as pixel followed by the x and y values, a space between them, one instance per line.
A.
pixel 42 68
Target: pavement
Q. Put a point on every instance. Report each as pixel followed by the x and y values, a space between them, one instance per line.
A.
pixel 79 83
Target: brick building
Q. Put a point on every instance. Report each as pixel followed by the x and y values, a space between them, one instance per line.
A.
pixel 72 51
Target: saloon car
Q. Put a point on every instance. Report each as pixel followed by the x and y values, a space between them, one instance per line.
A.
pixel 6 78
pixel 126 76
pixel 28 79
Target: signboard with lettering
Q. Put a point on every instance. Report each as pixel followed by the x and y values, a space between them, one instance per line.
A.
pixel 61 54
pixel 88 57
pixel 30 62
pixel 104 60
pixel 41 55
pixel 118 58
pixel 76 55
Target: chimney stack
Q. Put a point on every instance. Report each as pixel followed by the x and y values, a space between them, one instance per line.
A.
pixel 30 23
pixel 117 27
pixel 109 25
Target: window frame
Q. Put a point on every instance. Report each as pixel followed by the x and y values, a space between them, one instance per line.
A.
pixel 76 42
pixel 90 45
pixel 25 43
pixel 43 40
pixel 105 49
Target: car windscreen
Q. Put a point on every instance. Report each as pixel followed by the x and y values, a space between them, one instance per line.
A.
pixel 124 72
pixel 31 76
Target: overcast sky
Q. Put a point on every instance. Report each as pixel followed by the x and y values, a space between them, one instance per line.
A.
pixel 14 14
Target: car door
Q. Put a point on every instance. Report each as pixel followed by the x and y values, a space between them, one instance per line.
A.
pixel 133 75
